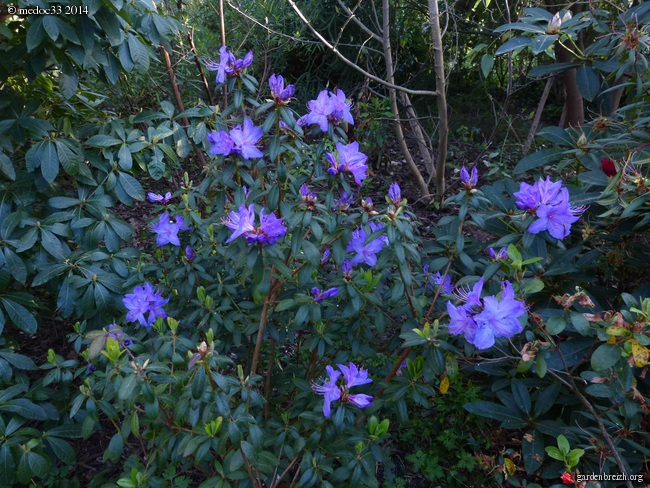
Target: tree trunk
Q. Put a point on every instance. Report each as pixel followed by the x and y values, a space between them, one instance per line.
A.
pixel 441 88
pixel 392 93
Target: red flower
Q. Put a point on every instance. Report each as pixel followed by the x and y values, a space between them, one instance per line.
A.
pixel 608 166
pixel 567 479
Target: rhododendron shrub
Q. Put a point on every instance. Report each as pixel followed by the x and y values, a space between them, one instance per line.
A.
pixel 283 322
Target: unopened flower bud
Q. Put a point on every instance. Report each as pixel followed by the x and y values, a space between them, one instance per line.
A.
pixel 554 24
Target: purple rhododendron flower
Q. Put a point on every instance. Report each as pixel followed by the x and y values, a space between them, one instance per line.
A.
pixel 366 252
pixel 244 139
pixel 549 201
pixel 221 143
pixel 328 107
pixel 167 230
pixel 395 194
pixel 319 110
pixel 469 181
pixel 481 321
pixel 326 257
pixel 344 202
pixel 156 198
pixel 144 300
pixel 340 108
pixel 445 284
pixel 352 376
pixel 502 255
pixel 360 400
pixel 308 196
pixel 243 223
pixel 281 95
pixel 349 159
pixel 319 296
pixel 189 253
pixel 346 269
pixel 329 389
pixel 228 64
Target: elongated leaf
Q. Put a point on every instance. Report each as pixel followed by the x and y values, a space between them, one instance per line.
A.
pixel 537 159
pixel 20 316
pixel 513 44
pixel 509 418
pixel 487 62
pixel 588 82
pixel 49 160
pixel 521 26
pixel 541 43
pixel 551 69
pixel 131 186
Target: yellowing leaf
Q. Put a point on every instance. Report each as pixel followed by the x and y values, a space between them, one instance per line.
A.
pixel 615 330
pixel 640 354
pixel 444 385
pixel 611 340
pixel 510 466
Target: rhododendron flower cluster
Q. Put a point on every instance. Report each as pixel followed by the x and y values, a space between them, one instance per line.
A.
pixel 168 229
pixel 229 65
pixel 549 201
pixel 319 296
pixel 242 223
pixel 328 108
pixel 482 320
pixel 366 252
pixel 332 391
pixel 240 140
pixel 281 95
pixel 144 300
pixel 349 158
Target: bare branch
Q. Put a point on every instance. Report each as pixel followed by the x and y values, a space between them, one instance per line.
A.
pixel 356 20
pixel 352 64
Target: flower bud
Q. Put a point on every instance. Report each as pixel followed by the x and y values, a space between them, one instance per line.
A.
pixel 554 24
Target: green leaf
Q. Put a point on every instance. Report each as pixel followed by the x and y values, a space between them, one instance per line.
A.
pixel 18 360
pixel 487 62
pixel 563 444
pixel 131 186
pixel 533 452
pixel 49 273
pixel 580 323
pixel 588 82
pixel 7 467
pixel 35 33
pixel 541 43
pixel 521 26
pixel 605 356
pixel 37 463
pixel 555 453
pixel 557 135
pixel 62 449
pixel 512 44
pixel 139 53
pixel 491 410
pixel 537 159
pixel 15 265
pixel 115 449
pixel 534 285
pixel 20 316
pixel 128 387
pixel 6 167
pixel 555 324
pixel 25 408
pixel 521 395
pixel 550 69
pixel 49 160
